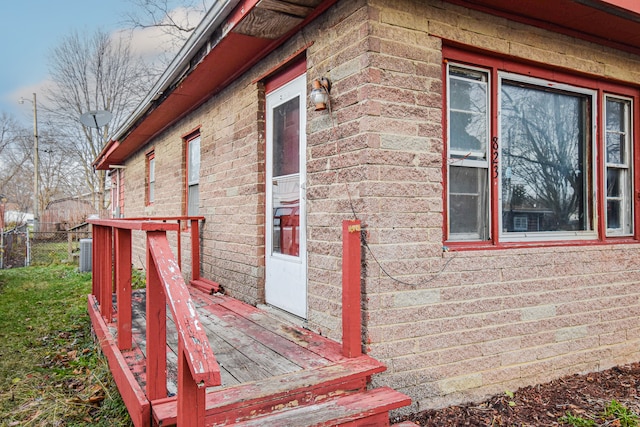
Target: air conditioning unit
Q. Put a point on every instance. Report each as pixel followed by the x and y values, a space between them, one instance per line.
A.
pixel 85 255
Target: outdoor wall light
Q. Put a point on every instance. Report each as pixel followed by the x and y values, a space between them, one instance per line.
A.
pixel 320 94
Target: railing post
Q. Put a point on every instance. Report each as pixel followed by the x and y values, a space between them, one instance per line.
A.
pixel 156 328
pixel 106 267
pixel 102 282
pixel 95 277
pixel 195 250
pixel 351 294
pixel 179 244
pixel 123 286
pixel 191 397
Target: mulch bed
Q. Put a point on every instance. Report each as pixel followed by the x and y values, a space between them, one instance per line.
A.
pixel 585 396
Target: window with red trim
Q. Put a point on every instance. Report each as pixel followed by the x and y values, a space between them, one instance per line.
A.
pixel 536 156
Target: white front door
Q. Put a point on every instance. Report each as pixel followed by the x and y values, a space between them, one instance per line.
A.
pixel 286 248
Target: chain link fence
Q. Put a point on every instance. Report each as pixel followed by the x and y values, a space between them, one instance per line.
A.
pixel 13 247
pixel 21 247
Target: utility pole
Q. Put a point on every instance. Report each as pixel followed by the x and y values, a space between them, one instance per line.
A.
pixel 36 162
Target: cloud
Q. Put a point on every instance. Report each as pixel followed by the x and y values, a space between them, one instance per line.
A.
pixel 152 43
pixel 155 45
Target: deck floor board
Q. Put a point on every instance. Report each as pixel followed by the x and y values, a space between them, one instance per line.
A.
pixel 249 345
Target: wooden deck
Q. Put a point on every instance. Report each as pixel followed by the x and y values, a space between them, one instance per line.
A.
pixel 181 353
pixel 273 372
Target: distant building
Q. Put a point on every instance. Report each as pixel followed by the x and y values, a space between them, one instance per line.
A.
pixel 17 217
pixel 63 214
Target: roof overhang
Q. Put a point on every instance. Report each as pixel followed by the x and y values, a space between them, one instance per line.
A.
pixel 233 37
pixel 236 34
pixel 612 23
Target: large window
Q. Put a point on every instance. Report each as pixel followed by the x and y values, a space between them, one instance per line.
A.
pixel 193 176
pixel 545 161
pixel 526 157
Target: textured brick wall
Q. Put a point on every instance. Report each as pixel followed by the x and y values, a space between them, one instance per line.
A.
pixel 457 326
pixel 231 188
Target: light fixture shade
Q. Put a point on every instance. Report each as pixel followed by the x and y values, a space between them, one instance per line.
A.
pixel 319 96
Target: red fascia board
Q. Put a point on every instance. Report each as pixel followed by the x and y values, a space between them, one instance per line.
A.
pixel 102 161
pixel 230 58
pixel 224 63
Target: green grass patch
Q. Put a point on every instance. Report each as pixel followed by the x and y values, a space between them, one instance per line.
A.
pixel 51 371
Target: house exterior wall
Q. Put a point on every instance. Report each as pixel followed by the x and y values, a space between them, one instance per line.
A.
pixel 462 325
pixel 231 187
pixel 451 325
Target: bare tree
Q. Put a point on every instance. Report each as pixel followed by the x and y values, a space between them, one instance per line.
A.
pixel 56 172
pixel 177 22
pixel 7 123
pixel 12 155
pixel 92 73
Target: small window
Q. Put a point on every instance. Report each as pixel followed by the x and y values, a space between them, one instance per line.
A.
pixel 151 177
pixel 521 223
pixel 193 176
pixel 618 165
pixel 468 138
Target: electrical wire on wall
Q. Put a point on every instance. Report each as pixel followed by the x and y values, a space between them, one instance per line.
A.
pixel 364 243
pixel 336 136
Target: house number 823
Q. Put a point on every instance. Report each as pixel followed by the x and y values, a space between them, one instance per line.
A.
pixel 494 156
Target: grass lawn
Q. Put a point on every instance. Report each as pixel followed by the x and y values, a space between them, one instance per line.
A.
pixel 51 371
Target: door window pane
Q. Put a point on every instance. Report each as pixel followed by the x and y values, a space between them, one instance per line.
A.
pixel 194 160
pixel 286 138
pixel 545 162
pixel 193 198
pixel 286 178
pixel 286 215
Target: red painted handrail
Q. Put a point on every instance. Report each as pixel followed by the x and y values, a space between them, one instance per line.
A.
pixel 202 363
pixel 195 238
pixel 197 365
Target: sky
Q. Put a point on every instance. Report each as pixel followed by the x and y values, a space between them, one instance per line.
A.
pixel 30 30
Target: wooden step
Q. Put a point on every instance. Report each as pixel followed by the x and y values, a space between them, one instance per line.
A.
pixel 233 404
pixel 367 408
pixel 205 285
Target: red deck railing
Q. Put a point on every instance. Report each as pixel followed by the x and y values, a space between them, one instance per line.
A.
pixel 197 365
